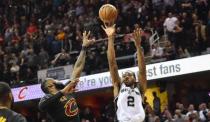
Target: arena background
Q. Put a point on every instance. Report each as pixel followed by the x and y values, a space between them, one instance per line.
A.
pixel 190 88
pixel 34 32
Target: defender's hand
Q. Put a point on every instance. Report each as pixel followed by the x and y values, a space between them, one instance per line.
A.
pixel 137 36
pixel 70 88
pixel 86 41
pixel 110 30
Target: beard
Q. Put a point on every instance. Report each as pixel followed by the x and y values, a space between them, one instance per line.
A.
pixel 129 84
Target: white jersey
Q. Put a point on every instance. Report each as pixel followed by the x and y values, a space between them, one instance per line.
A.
pixel 129 105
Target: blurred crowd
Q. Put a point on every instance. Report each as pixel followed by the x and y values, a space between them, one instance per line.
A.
pixel 180 113
pixel 39 34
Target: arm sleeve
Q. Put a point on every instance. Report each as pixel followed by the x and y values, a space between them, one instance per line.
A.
pixel 49 100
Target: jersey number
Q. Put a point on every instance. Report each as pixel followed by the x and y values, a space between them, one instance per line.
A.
pixel 130 101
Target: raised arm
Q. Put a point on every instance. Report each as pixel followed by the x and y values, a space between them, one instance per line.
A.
pixel 57 56
pixel 110 31
pixel 80 63
pixel 140 57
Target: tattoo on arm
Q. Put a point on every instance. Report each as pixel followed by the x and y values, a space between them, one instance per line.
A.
pixel 79 65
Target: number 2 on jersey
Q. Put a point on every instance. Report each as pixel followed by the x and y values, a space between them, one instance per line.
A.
pixel 130 101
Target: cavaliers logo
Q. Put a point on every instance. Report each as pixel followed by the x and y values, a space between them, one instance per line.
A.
pixel 71 108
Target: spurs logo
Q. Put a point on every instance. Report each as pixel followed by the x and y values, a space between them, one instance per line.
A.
pixel 71 108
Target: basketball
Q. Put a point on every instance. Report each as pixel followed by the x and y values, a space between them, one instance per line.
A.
pixel 108 13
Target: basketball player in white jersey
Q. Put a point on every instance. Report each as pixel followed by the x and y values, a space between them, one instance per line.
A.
pixel 127 89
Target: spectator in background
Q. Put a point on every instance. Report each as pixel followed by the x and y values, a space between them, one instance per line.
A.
pixel 169 51
pixel 169 25
pixel 168 116
pixel 200 32
pixel 150 114
pixel 157 4
pixel 183 53
pixel 169 4
pixel 32 31
pixel 108 113
pixel 30 58
pixel 186 25
pixel 191 110
pixel 178 35
pixel 145 101
pixel 14 72
pixel 186 5
pixel 203 112
pixel 177 104
pixel 182 108
pixel 202 8
pixel 179 117
pixel 6 67
pixel 156 104
pixel 13 59
pixel 194 117
pixel 61 58
pixel 90 68
pixel 157 51
pixel 87 115
pixel 157 119
pixel 43 58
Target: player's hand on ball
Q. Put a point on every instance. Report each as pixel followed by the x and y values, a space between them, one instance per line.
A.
pixel 70 88
pixel 86 41
pixel 109 30
pixel 137 36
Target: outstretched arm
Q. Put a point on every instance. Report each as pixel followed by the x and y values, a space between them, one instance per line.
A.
pixel 110 31
pixel 140 57
pixel 80 63
pixel 53 62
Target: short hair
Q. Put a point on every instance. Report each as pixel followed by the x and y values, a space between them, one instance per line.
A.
pixel 4 91
pixel 44 87
pixel 129 71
